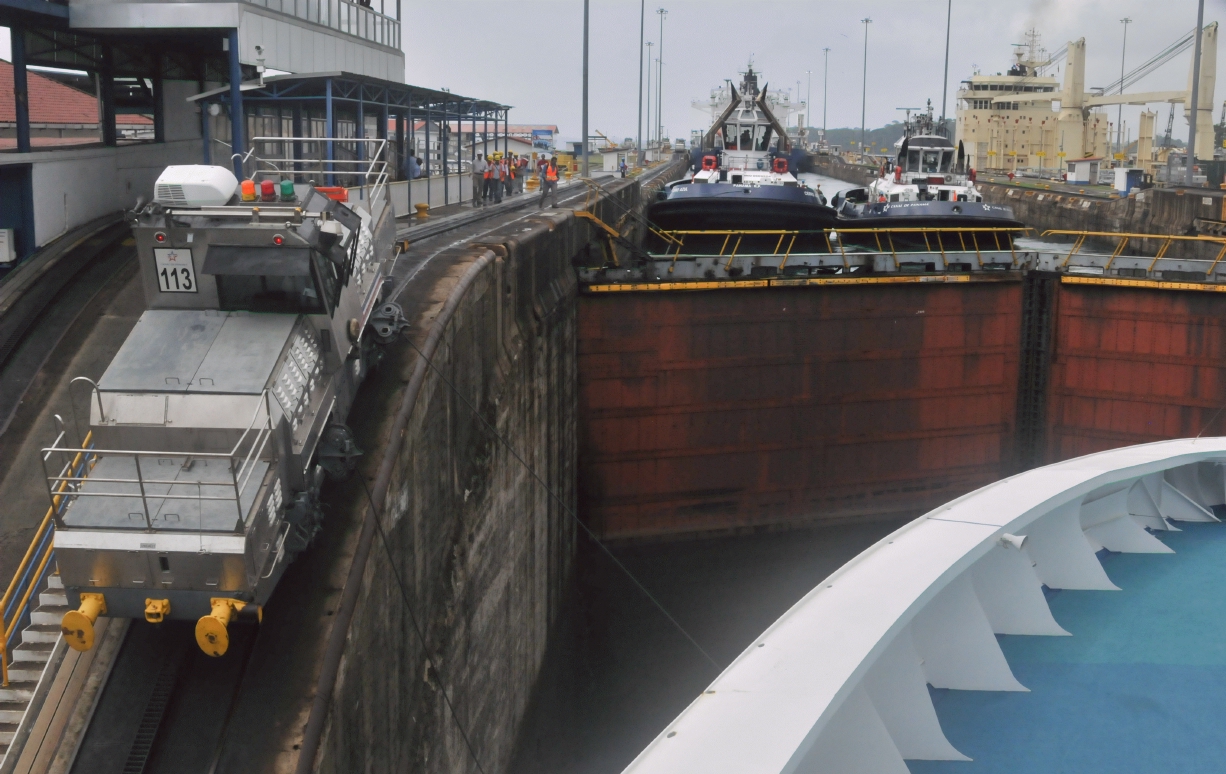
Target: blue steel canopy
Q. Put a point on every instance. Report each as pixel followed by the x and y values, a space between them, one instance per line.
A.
pixel 352 88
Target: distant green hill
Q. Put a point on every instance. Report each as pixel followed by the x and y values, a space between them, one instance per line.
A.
pixel 886 136
pixel 881 137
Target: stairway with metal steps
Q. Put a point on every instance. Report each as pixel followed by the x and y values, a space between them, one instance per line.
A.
pixel 30 658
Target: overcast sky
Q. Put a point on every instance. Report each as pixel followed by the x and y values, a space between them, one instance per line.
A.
pixel 709 40
pixel 528 53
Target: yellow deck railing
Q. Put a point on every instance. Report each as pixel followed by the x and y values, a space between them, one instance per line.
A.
pixel 38 556
pixel 1124 238
pixel 934 240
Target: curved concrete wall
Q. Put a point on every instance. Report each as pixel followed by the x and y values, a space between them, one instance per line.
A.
pixel 484 551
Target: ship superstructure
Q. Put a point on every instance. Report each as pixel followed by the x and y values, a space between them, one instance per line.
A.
pixel 928 167
pixel 1009 121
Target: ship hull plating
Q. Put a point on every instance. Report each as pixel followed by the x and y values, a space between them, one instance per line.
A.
pixel 956 221
pixel 722 207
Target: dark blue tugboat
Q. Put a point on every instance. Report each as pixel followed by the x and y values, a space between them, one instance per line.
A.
pixel 743 178
pixel 928 186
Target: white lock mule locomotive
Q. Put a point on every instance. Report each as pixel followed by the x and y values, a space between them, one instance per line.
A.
pixel 213 427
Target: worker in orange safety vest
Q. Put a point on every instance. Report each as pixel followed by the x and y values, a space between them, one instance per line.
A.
pixel 549 183
pixel 493 181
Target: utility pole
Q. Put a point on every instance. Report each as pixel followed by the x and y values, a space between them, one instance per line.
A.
pixel 1119 121
pixel 864 86
pixel 825 85
pixel 649 61
pixel 949 10
pixel 642 28
pixel 660 81
pixel 585 28
pixel 1200 23
pixel 808 104
pixel 660 122
pixel 798 115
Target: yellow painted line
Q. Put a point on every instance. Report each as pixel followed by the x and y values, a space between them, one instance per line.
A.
pixel 1143 283
pixel 872 280
pixel 642 286
pixel 638 287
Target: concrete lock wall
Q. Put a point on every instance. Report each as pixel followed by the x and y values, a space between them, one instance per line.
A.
pixel 484 550
pixel 1153 211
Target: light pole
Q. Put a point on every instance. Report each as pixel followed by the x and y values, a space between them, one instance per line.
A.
pixel 864 86
pixel 649 60
pixel 660 122
pixel 808 103
pixel 798 115
pixel 949 9
pixel 642 29
pixel 1119 120
pixel 585 157
pixel 1200 22
pixel 825 85
pixel 660 81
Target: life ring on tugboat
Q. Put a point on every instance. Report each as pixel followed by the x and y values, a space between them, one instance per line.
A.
pixel 780 166
pixel 708 163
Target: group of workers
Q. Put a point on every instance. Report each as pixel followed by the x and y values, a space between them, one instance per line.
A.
pixel 494 177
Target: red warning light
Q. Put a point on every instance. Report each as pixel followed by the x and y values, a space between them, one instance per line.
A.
pixel 159 236
pixel 278 240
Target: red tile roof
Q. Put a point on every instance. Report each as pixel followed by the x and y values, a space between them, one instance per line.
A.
pixel 52 102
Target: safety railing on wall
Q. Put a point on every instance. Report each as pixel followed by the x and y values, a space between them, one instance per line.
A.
pixel 899 243
pixel 39 560
pixel 707 258
pixel 1122 240
pixel 342 16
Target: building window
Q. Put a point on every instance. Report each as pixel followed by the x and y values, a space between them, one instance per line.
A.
pixel 980 104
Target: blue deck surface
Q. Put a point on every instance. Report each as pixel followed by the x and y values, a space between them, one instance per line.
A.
pixel 1139 687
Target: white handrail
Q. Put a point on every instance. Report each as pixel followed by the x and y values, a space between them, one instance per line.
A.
pixel 839 682
pixel 374 166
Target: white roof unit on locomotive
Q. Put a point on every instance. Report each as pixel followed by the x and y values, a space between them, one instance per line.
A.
pixel 195 185
pixel 213 426
pixel 928 167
